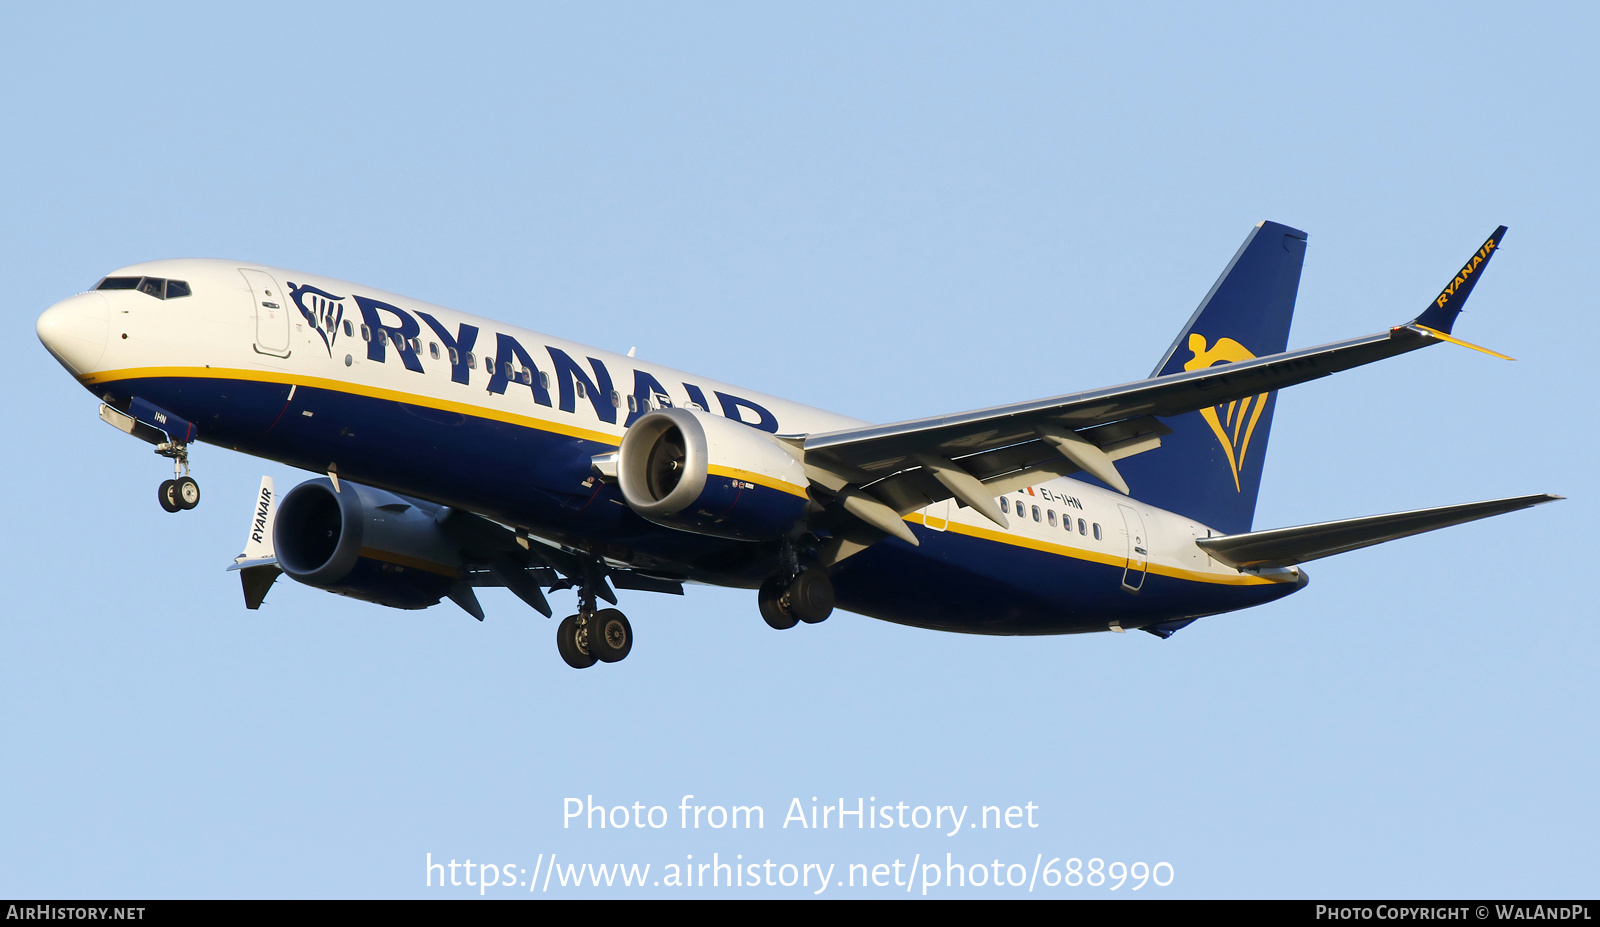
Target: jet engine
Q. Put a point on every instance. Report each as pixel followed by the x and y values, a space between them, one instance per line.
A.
pixel 364 543
pixel 694 471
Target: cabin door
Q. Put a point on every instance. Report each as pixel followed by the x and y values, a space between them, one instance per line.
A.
pixel 272 313
pixel 1138 550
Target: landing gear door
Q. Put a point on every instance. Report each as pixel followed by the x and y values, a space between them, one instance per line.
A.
pixel 1138 550
pixel 272 313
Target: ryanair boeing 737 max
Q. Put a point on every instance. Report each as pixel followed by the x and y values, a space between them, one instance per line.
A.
pixel 463 452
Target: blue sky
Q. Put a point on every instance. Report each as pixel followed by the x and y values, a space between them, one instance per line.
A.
pixel 890 211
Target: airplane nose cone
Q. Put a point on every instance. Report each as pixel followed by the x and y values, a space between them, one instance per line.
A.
pixel 75 331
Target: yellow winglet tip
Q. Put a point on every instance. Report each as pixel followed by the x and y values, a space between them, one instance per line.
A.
pixel 1454 340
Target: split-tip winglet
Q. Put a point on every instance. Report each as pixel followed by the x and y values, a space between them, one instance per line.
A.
pixel 1439 318
pixel 1435 333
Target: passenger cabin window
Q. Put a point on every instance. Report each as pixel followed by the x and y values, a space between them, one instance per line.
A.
pixel 1005 505
pixel 366 333
pixel 1052 518
pixel 1097 531
pixel 1036 515
pixel 348 329
pixel 1083 526
pixel 472 361
pixel 455 358
pixel 158 287
pixel 433 350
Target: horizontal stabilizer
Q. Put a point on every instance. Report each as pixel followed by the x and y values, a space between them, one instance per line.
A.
pixel 1281 547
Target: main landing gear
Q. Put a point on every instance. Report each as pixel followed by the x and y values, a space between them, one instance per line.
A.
pixel 806 596
pixel 181 492
pixel 592 636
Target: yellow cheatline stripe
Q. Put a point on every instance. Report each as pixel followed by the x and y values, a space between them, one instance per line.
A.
pixel 1078 553
pixel 1465 344
pixel 600 437
pixel 430 402
pixel 760 479
pixel 354 389
pixel 372 553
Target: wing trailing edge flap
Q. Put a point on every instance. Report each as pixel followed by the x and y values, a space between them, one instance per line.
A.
pixel 1282 547
pixel 534 564
pixel 976 481
pixel 996 472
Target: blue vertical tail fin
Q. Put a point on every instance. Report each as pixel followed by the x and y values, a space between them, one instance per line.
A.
pixel 1209 468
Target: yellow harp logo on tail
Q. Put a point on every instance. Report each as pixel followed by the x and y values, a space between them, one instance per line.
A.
pixel 1235 422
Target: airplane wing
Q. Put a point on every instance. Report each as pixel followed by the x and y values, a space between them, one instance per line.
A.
pixel 974 456
pixel 883 449
pixel 492 554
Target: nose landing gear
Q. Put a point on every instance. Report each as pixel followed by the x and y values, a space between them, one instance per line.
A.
pixel 181 492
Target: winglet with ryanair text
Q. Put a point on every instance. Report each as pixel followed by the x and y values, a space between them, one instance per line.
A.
pixel 1440 316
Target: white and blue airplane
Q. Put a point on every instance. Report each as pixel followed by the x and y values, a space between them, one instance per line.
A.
pixel 463 452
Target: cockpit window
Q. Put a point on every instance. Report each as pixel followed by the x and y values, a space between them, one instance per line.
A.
pixel 150 286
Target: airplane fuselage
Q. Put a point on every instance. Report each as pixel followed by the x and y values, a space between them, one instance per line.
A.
pixel 424 401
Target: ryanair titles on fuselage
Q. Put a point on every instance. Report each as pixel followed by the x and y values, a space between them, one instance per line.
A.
pixel 387 327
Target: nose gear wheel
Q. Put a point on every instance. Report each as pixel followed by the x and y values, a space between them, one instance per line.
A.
pixel 180 493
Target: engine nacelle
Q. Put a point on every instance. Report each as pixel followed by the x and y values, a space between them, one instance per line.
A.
pixel 699 472
pixel 364 543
